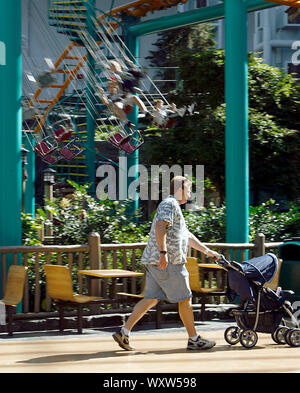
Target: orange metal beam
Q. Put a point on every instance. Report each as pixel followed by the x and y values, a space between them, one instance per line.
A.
pixel 72 73
pixel 141 7
pixel 289 3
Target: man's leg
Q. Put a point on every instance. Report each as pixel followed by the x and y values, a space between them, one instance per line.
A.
pixel 195 342
pixel 139 311
pixel 186 315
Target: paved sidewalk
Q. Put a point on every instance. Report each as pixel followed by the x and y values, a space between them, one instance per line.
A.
pixel 157 351
pixel 107 331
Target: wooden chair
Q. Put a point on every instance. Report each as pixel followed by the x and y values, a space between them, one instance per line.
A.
pixel 60 289
pixel 197 284
pixel 14 291
pixel 133 295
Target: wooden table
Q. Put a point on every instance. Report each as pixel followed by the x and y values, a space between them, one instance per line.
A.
pixel 211 266
pixel 110 273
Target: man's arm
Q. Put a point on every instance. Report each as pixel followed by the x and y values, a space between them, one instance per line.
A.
pixel 161 240
pixel 195 243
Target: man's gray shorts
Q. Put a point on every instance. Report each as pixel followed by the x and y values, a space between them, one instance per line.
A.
pixel 171 283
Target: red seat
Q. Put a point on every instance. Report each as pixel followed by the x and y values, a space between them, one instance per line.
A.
pixel 128 147
pixel 51 159
pixel 44 147
pixel 133 143
pixel 67 153
pixel 127 109
pixel 61 134
pixel 118 138
pixel 170 123
pixel 71 150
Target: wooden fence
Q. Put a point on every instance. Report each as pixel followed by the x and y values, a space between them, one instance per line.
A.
pixel 95 255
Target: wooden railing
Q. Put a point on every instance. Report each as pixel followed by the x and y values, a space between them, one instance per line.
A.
pixel 95 255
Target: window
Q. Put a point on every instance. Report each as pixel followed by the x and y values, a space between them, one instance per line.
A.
pixel 292 68
pixel 260 35
pixel 201 3
pixel 258 20
pixel 180 8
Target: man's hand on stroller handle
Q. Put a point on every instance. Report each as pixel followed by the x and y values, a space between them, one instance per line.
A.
pixel 213 254
pixel 222 261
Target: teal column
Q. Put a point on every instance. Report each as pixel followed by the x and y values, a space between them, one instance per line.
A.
pixel 10 124
pixel 90 114
pixel 133 159
pixel 236 139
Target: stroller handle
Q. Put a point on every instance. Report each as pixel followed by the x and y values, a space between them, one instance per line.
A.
pixel 222 261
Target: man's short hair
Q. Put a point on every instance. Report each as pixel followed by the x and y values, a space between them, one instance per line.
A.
pixel 179 182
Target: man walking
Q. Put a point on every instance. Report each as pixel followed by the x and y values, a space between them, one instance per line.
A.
pixel 164 258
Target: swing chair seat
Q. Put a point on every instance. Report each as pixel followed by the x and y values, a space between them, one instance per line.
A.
pixel 44 147
pixel 71 150
pixel 132 144
pixel 127 109
pixel 128 147
pixel 161 126
pixel 170 123
pixel 61 134
pixel 118 138
pixel 51 159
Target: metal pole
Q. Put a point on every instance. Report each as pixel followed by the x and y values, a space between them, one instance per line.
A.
pixel 131 160
pixel 90 113
pixel 30 183
pixel 236 139
pixel 10 125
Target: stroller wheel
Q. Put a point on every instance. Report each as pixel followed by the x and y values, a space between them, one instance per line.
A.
pixel 293 337
pixel 232 335
pixel 273 335
pixel 279 334
pixel 286 337
pixel 248 338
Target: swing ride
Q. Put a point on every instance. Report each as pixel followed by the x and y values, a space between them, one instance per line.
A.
pixel 98 59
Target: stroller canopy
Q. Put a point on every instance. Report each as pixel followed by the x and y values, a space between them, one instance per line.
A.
pixel 261 269
pixel 255 271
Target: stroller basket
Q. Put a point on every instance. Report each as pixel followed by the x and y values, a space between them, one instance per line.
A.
pixel 268 321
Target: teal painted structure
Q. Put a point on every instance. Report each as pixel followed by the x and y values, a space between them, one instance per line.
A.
pixel 236 135
pixel 10 125
pixel 132 44
pixel 200 15
pixel 29 205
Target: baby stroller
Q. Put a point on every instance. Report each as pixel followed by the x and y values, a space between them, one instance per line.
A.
pixel 261 309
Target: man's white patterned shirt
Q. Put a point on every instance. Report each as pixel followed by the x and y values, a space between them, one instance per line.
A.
pixel 177 234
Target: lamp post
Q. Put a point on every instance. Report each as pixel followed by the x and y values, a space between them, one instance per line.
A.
pixel 24 175
pixel 49 181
